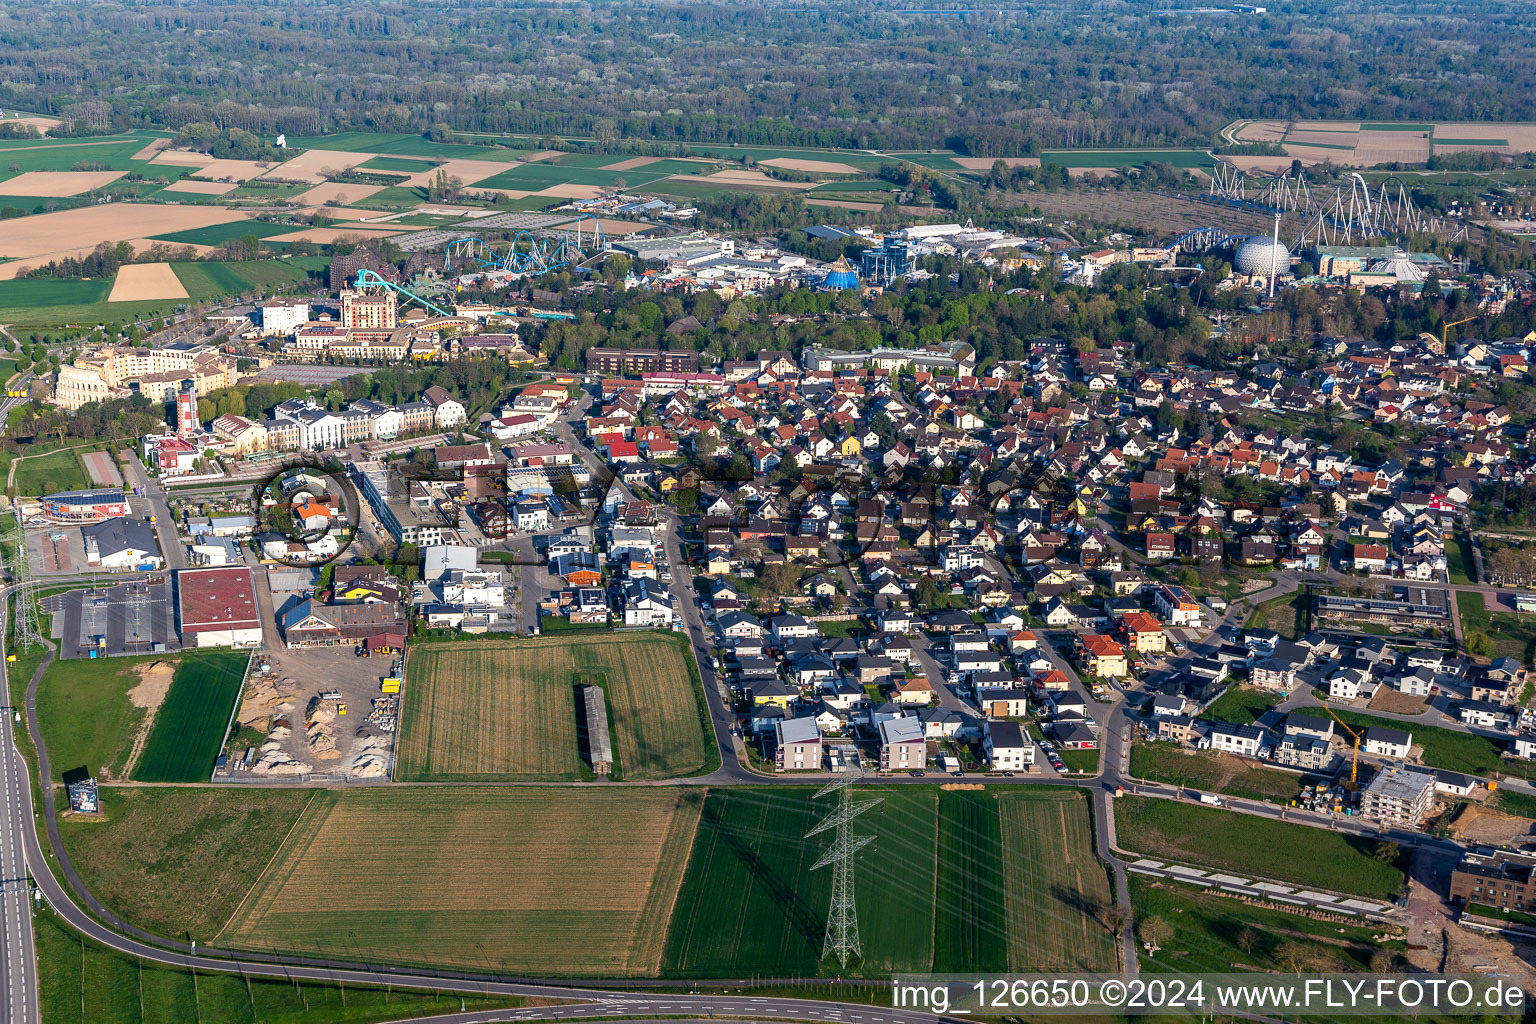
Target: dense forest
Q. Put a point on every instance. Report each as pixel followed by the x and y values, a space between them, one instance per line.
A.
pixel 1000 81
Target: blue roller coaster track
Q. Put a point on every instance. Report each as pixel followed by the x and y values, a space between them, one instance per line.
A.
pixel 536 251
pixel 1205 239
pixel 368 281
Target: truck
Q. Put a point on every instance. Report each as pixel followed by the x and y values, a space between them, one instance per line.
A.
pixel 1212 799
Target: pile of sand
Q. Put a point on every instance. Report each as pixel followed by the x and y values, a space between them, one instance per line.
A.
pixel 154 682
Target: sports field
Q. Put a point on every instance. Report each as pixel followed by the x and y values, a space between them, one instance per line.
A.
pixel 533 880
pixel 494 709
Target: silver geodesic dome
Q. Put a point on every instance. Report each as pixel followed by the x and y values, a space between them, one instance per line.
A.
pixel 1261 255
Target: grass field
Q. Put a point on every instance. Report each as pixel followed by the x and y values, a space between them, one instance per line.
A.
pixel 538 880
pixel 1241 704
pixel 177 859
pixel 1211 933
pixel 1242 843
pixel 1285 615
pixel 80 982
pixel 189 727
pixel 85 715
pixel 1458 558
pixel 533 734
pixel 55 471
pixel 1513 636
pixel 88 718
pixel 1443 748
pixel 1211 771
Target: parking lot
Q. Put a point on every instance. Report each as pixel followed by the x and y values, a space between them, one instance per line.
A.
pixel 131 618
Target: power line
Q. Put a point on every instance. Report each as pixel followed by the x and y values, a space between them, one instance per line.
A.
pixel 842 939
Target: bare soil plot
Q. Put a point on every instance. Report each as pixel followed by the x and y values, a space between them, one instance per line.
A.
pixel 981 163
pixel 307 166
pixel 180 158
pixel 810 166
pixel 1326 126
pixel 70 230
pixel 154 683
pixel 536 880
pixel 510 193
pixel 467 171
pixel 234 170
pixel 743 177
pixel 543 154
pixel 622 228
pixel 841 204
pixel 1078 172
pixel 632 163
pixel 337 193
pixel 487 709
pixel 1388 147
pixel 137 282
pixel 1264 164
pixel 1394 702
pixel 571 190
pixel 149 151
pixel 201 188
pixel 1262 131
pixel 58 183
pixel 1324 138
pixel 1163 214
pixel 39 122
pixel 1318 155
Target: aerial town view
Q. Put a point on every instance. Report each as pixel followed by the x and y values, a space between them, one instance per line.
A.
pixel 686 511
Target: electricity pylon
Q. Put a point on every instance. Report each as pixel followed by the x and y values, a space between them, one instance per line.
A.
pixel 19 570
pixel 842 939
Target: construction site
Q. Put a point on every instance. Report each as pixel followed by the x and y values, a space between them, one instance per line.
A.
pixel 323 711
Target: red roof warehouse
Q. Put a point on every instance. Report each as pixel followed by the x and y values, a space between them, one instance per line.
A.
pixel 217 607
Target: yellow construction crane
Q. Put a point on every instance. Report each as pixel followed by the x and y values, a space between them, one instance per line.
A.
pixel 1453 323
pixel 1354 764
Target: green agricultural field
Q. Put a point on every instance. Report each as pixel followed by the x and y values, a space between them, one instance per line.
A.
pixel 207 280
pixel 396 163
pixel 218 234
pixel 189 727
pixel 179 859
pixel 1241 704
pixel 1211 771
pixel 114 153
pixel 1075 158
pixel 54 471
pixel 537 176
pixel 1394 126
pixel 403 145
pixel 851 157
pixel 1216 934
pixel 873 185
pixel 654 703
pixel 80 982
pixel 1010 882
pixel 1242 843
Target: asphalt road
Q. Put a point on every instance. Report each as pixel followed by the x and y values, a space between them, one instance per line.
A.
pixel 165 528
pixel 20 1005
